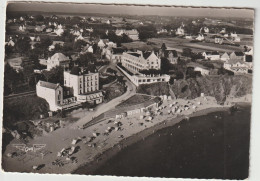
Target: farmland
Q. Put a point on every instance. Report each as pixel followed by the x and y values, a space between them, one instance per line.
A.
pixel 179 43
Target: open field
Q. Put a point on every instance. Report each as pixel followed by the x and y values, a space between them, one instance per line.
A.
pixel 179 43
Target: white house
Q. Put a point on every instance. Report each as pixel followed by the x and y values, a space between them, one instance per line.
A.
pixel 133 34
pixel 89 30
pixel 206 29
pixel 22 28
pixel 90 49
pixel 233 34
pixel 48 30
pixel 101 44
pixel 218 40
pixel 180 31
pixel 52 93
pixel 38 39
pixel 11 43
pixel 199 68
pixel 59 31
pixel 108 22
pixel 211 55
pixel 161 31
pixel 189 37
pixel 223 31
pixel 79 38
pixel 32 38
pixel 200 37
pixel 58 59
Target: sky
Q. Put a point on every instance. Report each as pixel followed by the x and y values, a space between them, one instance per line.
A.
pixel 132 10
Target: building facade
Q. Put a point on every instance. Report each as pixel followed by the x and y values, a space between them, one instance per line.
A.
pixel 137 61
pixel 83 85
pixel 52 93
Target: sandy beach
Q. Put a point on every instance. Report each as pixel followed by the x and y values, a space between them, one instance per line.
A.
pixel 95 152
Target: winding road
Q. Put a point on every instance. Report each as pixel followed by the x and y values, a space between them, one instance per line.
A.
pixel 131 90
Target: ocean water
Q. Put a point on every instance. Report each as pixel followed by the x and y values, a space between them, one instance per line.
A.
pixel 215 145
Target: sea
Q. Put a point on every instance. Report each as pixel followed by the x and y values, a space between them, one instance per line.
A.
pixel 215 145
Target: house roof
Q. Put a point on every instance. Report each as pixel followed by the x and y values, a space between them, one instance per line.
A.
pixel 118 50
pixel 146 54
pixel 59 57
pixel 239 53
pixel 134 54
pixel 212 53
pixel 48 85
pixel 131 32
pixel 174 52
pixel 249 58
pixel 77 70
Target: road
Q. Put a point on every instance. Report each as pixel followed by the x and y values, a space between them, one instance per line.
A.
pixel 131 90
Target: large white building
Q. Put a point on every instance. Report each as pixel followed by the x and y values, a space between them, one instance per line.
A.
pixel 58 59
pixel 84 85
pixel 137 61
pixel 54 95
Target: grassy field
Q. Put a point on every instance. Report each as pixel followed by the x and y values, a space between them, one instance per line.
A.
pixel 179 43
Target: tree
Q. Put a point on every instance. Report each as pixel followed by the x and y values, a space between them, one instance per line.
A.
pixel 46 43
pixel 86 59
pixel 163 47
pixel 28 73
pixel 165 65
pixel 11 78
pixel 39 18
pixel 187 52
pixel 182 67
pixel 23 45
pixel 78 45
pixel 55 75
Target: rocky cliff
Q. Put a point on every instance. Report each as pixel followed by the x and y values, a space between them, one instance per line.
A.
pixel 219 87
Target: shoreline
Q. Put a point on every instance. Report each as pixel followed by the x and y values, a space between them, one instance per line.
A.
pixel 93 158
pixel 90 167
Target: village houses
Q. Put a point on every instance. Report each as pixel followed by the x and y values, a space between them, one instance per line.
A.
pixel 211 55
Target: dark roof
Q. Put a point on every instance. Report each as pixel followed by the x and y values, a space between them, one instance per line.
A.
pixel 118 50
pixel 135 54
pixel 174 52
pixel 146 54
pixel 78 71
pixel 48 84
pixel 239 53
pixel 212 53
pixel 249 58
